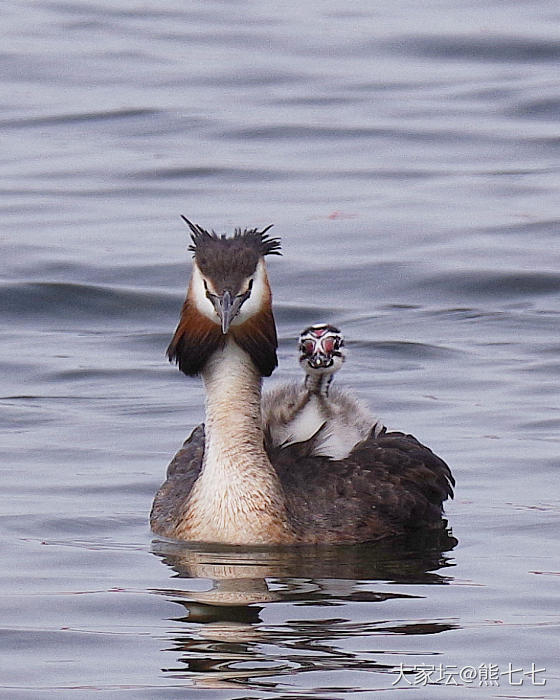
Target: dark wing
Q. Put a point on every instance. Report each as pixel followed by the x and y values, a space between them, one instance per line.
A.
pixel 387 485
pixel 170 500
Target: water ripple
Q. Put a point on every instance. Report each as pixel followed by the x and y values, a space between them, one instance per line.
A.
pixel 503 49
pixel 73 302
pixel 509 285
pixel 124 114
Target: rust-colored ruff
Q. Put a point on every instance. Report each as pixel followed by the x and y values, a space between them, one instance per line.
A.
pixel 195 339
pixel 197 336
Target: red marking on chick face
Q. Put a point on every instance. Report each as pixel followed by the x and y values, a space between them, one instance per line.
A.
pixel 308 347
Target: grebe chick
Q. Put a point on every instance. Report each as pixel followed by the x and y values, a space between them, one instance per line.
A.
pixel 321 354
pixel 223 486
pixel 295 413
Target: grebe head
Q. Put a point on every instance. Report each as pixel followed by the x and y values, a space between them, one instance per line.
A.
pixel 321 349
pixel 229 275
pixel 228 296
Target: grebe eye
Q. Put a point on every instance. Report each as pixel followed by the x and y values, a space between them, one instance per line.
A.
pixel 209 294
pixel 307 346
pixel 328 345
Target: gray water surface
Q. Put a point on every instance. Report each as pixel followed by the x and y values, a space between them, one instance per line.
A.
pixel 408 155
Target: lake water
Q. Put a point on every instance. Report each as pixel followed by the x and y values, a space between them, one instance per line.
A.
pixel 408 155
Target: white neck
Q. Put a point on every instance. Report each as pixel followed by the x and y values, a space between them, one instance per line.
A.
pixel 237 498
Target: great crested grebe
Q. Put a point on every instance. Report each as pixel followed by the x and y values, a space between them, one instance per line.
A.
pixel 295 413
pixel 223 485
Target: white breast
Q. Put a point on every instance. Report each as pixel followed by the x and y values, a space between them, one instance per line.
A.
pixel 305 424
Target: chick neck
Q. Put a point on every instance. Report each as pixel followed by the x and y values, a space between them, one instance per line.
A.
pixel 318 384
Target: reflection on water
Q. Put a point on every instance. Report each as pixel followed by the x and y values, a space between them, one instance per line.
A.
pixel 222 637
pixel 410 559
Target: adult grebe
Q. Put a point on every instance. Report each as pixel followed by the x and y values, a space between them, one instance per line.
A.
pixel 297 412
pixel 223 486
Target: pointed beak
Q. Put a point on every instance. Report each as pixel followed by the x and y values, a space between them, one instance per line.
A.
pixel 226 310
pixel 320 361
pixel 227 306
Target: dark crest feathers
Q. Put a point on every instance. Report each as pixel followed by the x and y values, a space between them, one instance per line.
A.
pixel 258 240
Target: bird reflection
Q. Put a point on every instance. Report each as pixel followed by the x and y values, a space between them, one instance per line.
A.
pixel 224 638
